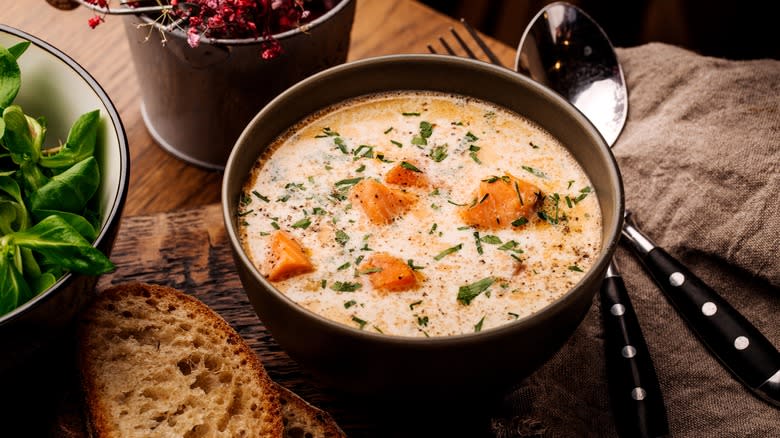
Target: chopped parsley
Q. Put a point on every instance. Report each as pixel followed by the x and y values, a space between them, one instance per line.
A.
pixel 494 178
pixel 493 240
pixel 387 131
pixel 519 196
pixel 323 283
pixel 409 166
pixel 426 130
pixel 513 315
pixel 535 146
pixel 361 323
pixel 473 149
pixel 327 132
pixel 348 182
pixel 575 268
pixel 568 201
pixel 414 267
pixel 410 114
pixel 478 326
pixel 369 271
pixel 397 143
pixel 455 203
pixel 261 197
pixel 571 182
pixel 478 242
pixel 345 286
pixel 343 267
pixel 435 192
pixel 275 225
pixel 416 303
pixel 510 246
pixel 484 198
pixel 349 304
pixel 283 198
pixel 470 291
pixel 448 251
pixel 438 153
pixel 341 237
pixel 303 223
pixel 422 321
pixel 359 259
pixel 433 228
pixel 361 168
pixel 522 220
pixel 471 138
pixel 535 172
pixel 583 193
pixel 244 213
pixel 340 145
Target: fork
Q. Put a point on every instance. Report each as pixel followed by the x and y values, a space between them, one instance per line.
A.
pixel 470 53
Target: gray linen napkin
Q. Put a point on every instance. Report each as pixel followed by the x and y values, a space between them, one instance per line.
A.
pixel 700 159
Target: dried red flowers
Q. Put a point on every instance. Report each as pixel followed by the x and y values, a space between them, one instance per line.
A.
pixel 235 19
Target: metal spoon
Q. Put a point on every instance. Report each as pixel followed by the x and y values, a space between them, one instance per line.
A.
pixel 566 49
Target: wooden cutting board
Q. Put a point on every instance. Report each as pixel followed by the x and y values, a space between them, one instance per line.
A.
pixel 189 250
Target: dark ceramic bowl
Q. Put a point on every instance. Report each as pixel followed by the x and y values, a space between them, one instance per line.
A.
pixel 364 362
pixel 56 87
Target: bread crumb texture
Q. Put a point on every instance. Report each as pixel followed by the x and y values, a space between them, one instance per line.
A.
pixel 156 362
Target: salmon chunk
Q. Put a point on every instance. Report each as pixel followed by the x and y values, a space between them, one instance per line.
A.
pixel 406 173
pixel 287 258
pixel 501 202
pixel 380 203
pixel 389 273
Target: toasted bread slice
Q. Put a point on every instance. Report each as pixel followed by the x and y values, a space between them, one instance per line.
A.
pixel 157 362
pixel 301 419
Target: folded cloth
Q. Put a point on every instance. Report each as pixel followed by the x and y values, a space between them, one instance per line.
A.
pixel 700 159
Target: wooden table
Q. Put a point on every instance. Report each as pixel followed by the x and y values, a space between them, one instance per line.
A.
pixel 173 205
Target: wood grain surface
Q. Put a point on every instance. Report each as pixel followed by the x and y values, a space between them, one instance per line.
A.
pixel 172 231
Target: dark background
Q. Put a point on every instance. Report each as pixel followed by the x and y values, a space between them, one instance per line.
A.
pixel 726 29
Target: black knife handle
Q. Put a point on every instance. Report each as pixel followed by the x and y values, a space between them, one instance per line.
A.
pixel 734 341
pixel 635 394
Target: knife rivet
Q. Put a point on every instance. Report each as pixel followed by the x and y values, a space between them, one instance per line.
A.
pixel 617 309
pixel 676 279
pixel 709 308
pixel 628 351
pixel 741 343
pixel 638 393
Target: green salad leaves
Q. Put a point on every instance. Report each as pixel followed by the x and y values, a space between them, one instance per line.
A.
pixel 47 212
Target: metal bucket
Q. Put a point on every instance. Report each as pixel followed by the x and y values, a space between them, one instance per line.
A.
pixel 195 102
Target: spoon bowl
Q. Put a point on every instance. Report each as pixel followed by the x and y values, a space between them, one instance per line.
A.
pixel 566 50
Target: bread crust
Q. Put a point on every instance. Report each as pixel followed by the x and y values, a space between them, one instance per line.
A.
pixel 301 418
pixel 152 355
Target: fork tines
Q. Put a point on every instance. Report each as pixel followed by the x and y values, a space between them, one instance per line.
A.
pixel 470 53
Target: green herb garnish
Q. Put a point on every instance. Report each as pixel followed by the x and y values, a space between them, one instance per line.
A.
pixel 575 268
pixel 448 251
pixel 411 264
pixel 361 323
pixel 261 197
pixel 470 291
pixel 343 267
pixel 478 326
pixel 341 237
pixel 397 143
pixel 416 303
pixel 409 166
pixel 349 304
pixel 387 131
pixel 303 223
pixel 410 114
pixel 340 145
pixel 535 172
pixel 493 240
pixel 345 286
pixel 522 220
pixel 438 153
pixel 348 182
pixel 478 242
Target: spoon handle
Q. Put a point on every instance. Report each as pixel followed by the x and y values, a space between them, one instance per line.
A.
pixel 635 394
pixel 731 338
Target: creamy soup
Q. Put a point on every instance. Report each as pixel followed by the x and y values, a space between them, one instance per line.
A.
pixel 420 214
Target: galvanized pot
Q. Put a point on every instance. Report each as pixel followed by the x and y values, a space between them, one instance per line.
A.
pixel 196 101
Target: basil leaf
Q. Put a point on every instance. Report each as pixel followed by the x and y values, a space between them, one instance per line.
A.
pixel 10 77
pixel 80 144
pixel 17 137
pixel 13 288
pixel 62 245
pixel 18 49
pixel 470 291
pixel 70 190
pixel 79 223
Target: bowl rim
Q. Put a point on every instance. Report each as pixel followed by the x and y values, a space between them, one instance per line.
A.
pixel 607 249
pixel 113 211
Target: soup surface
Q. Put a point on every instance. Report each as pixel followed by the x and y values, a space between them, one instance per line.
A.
pixel 420 214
